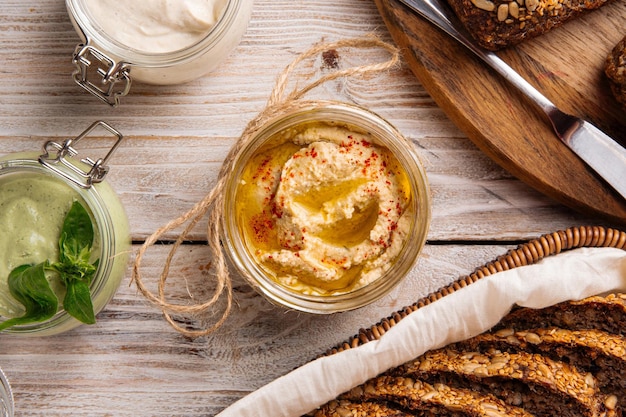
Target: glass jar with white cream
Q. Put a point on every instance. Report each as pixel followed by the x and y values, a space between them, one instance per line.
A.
pixel 326 208
pixel 37 193
pixel 152 41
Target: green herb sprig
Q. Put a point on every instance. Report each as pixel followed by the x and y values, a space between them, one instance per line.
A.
pixel 29 286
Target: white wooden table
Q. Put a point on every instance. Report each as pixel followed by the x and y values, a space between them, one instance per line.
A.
pixel 132 363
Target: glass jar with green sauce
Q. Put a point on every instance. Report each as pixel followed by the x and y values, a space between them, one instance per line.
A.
pixel 6 397
pixel 36 193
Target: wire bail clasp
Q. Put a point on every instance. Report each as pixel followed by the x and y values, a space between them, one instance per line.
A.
pixel 112 78
pixel 56 157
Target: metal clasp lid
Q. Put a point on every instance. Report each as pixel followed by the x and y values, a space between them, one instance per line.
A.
pixel 55 158
pixel 112 78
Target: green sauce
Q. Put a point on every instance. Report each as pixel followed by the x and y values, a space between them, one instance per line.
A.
pixel 32 209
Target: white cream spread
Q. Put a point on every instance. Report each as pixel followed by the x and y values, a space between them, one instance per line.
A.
pixel 327 211
pixel 156 26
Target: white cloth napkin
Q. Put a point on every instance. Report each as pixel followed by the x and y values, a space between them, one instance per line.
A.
pixel 570 275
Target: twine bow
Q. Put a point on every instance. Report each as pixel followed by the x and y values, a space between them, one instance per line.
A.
pixel 279 101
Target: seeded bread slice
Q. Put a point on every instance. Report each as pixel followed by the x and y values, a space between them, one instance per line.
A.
pixel 423 399
pixel 496 24
pixel 534 382
pixel 615 70
pixel 345 408
pixel 598 312
pixel 590 351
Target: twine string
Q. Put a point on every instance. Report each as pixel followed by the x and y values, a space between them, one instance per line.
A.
pixel 278 103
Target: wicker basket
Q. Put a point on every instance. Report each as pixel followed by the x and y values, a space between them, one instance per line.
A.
pixel 525 254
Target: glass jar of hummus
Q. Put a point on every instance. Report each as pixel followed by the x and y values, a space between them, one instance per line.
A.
pixel 36 194
pixel 152 41
pixel 6 397
pixel 326 208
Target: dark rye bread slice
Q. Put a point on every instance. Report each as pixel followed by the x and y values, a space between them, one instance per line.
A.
pixel 607 313
pixel 590 351
pixel 422 399
pixel 496 24
pixel 533 382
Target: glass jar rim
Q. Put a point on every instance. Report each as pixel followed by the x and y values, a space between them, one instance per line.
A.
pixel 386 135
pixel 7 394
pixel 128 55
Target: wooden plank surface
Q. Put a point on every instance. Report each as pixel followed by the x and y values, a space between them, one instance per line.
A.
pixel 131 362
pixel 565 64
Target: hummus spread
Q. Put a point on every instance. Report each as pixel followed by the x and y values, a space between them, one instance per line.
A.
pixel 324 209
pixel 156 26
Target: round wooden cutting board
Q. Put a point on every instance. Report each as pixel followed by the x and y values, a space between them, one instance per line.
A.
pixel 566 65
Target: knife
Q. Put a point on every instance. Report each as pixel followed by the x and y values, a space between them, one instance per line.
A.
pixel 599 151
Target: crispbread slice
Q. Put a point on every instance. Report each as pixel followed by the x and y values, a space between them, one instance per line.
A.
pixel 590 351
pixel 534 382
pixel 597 312
pixel 423 399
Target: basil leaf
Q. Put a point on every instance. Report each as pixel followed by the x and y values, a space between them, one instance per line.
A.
pixel 77 302
pixel 76 236
pixel 73 267
pixel 29 286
